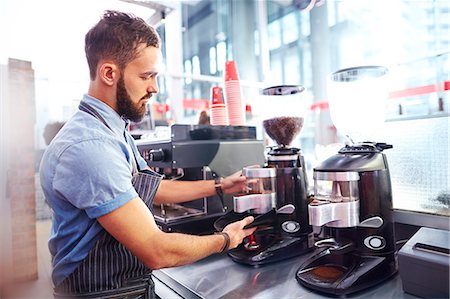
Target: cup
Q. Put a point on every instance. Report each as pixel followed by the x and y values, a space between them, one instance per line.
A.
pixel 217 95
pixel 231 71
pixel 233 95
pixel 218 109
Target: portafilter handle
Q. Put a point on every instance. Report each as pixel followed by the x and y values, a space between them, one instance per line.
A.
pixel 267 219
pixel 270 218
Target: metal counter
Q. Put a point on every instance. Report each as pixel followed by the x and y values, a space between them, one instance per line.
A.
pixel 219 277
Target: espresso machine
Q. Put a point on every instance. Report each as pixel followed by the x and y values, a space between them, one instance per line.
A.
pixel 199 152
pixel 276 195
pixel 352 196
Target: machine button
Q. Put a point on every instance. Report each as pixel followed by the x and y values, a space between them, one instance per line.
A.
pixel 290 226
pixel 375 242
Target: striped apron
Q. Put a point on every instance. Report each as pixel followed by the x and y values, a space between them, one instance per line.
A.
pixel 111 270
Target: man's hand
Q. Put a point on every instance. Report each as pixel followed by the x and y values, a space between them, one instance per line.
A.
pixel 237 232
pixel 183 191
pixel 235 183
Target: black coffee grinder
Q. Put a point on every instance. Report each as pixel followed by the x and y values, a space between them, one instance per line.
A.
pixel 276 196
pixel 352 199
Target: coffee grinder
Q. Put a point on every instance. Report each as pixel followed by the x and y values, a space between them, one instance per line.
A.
pixel 276 194
pixel 352 193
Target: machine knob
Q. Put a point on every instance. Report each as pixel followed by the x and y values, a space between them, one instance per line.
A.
pixel 156 155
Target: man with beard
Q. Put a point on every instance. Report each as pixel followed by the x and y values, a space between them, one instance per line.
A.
pixel 104 240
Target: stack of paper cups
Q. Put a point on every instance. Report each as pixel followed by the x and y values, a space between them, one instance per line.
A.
pixel 233 95
pixel 218 109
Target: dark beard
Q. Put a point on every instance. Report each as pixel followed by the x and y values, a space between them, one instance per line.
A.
pixel 125 106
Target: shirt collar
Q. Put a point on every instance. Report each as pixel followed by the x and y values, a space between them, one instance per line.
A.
pixel 114 120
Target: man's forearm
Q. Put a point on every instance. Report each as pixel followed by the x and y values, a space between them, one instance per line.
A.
pixel 182 191
pixel 181 249
pixel 133 226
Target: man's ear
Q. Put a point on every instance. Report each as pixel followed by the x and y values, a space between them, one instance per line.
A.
pixel 109 73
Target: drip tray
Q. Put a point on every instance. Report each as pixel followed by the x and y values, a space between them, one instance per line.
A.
pixel 324 274
pixel 347 273
pixel 172 212
pixel 327 271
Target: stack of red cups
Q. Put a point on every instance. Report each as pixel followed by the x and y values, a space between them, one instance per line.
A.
pixel 233 95
pixel 218 109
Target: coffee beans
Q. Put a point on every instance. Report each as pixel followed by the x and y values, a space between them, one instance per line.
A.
pixel 283 129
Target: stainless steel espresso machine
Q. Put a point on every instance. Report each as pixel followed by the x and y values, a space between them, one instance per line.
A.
pixel 352 194
pixel 199 152
pixel 276 196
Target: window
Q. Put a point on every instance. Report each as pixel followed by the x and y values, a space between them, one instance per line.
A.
pixel 274 34
pixel 290 27
pixel 256 37
pixel 292 66
pixel 188 71
pixel 212 61
pixel 221 55
pixel 196 65
pixel 355 33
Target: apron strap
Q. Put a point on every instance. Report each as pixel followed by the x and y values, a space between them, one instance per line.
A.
pixel 85 107
pixel 133 149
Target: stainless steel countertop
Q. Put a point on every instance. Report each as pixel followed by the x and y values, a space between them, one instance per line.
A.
pixel 219 277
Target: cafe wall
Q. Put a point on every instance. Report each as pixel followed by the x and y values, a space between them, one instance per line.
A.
pixel 18 253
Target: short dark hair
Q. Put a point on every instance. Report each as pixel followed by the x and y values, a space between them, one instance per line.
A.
pixel 117 36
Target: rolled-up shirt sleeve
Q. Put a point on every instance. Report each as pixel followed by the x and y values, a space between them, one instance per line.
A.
pixel 94 175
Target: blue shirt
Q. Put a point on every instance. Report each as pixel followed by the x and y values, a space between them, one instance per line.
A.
pixel 85 173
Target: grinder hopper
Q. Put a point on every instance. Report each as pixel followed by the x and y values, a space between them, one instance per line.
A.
pixel 285 113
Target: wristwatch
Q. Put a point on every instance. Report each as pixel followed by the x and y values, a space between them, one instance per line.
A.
pixel 218 186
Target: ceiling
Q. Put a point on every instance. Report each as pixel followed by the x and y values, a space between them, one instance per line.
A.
pixel 161 8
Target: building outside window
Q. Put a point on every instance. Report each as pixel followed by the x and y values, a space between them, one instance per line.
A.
pixel 411 38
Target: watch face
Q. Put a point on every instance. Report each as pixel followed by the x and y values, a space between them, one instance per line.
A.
pixel 218 186
pixel 218 182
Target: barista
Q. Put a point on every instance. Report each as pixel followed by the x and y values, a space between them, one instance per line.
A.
pixel 104 241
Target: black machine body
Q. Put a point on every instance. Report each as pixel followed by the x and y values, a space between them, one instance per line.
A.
pixel 353 205
pixel 283 230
